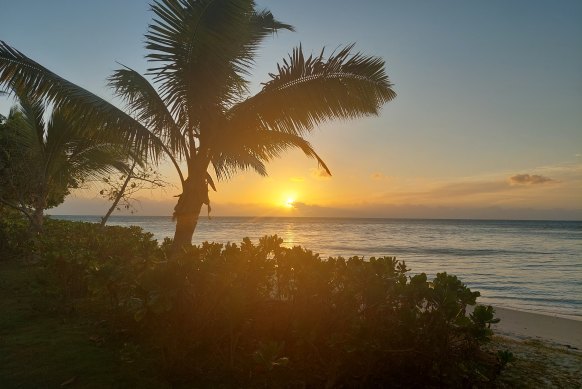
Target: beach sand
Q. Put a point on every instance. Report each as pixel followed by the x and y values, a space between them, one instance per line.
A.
pixel 547 350
pixel 554 330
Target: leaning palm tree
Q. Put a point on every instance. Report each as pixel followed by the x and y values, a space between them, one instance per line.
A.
pixel 198 109
pixel 41 162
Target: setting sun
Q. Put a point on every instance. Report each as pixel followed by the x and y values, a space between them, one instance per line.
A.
pixel 290 202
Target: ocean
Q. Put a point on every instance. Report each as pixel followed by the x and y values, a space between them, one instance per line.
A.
pixel 533 266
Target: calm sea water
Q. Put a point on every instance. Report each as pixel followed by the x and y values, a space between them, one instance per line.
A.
pixel 526 265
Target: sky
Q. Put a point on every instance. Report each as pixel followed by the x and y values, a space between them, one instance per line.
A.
pixel 487 122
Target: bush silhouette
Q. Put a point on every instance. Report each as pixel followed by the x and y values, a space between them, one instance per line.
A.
pixel 262 315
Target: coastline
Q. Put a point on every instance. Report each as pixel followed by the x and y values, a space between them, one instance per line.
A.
pixel 554 330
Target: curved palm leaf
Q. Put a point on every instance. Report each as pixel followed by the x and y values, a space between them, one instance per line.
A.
pixel 82 157
pixel 24 75
pixel 147 107
pixel 61 146
pixel 309 91
pixel 28 125
pixel 227 164
pixel 256 148
pixel 205 48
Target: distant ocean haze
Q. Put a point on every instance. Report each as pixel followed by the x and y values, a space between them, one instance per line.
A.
pixel 526 265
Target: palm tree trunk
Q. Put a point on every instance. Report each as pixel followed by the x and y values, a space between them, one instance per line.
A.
pixel 35 232
pixel 37 219
pixel 187 211
pixel 185 227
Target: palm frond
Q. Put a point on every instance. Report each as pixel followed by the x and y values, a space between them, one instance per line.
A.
pixel 22 74
pixel 227 164
pixel 69 152
pixel 262 145
pixel 261 25
pixel 271 144
pixel 195 41
pixel 204 49
pixel 306 92
pixel 26 124
pixel 96 160
pixel 147 107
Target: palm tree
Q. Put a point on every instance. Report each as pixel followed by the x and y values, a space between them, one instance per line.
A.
pixel 198 109
pixel 42 162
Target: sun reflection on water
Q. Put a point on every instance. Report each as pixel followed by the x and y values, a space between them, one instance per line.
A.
pixel 289 236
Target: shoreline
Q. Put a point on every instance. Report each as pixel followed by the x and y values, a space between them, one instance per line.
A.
pixel 554 330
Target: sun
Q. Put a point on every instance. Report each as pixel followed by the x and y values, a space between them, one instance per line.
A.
pixel 290 203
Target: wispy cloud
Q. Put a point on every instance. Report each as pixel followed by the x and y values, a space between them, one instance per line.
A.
pixel 522 189
pixel 530 179
pixel 378 176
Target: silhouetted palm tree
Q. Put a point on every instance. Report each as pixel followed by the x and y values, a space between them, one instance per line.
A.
pixel 41 162
pixel 198 109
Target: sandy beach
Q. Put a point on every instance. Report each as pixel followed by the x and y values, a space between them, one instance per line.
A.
pixel 555 330
pixel 547 350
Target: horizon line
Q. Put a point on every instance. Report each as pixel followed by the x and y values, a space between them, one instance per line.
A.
pixel 330 217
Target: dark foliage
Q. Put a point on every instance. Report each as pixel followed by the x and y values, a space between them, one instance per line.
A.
pixel 14 238
pixel 261 315
pixel 87 260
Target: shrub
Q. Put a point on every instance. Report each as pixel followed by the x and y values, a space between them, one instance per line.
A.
pixel 87 260
pixel 267 316
pixel 14 237
pixel 270 316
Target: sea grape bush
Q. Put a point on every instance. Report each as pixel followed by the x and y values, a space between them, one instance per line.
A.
pixel 263 315
pixel 15 242
pixel 87 260
pixel 308 321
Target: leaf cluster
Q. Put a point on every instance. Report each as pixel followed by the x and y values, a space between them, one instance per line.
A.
pixel 14 240
pixel 85 260
pixel 310 321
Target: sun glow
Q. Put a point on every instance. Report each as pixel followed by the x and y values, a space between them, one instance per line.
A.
pixel 290 203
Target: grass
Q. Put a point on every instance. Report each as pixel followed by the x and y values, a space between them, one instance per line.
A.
pixel 43 344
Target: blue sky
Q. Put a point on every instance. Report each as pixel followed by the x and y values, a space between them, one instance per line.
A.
pixel 486 91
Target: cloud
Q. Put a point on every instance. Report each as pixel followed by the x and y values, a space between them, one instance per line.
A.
pixel 519 187
pixel 378 176
pixel 320 174
pixel 298 204
pixel 529 179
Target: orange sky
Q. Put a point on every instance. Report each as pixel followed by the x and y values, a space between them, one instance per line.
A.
pixel 545 192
